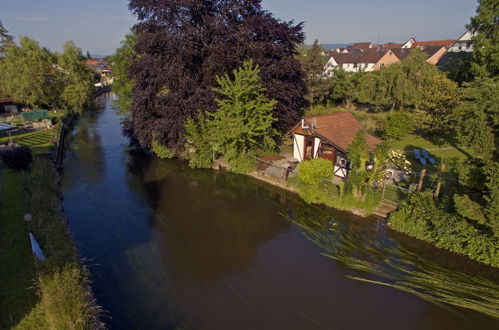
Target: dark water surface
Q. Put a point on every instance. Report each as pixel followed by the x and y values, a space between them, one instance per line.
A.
pixel 170 247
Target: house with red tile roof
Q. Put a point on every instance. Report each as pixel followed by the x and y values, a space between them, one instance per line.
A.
pixel 329 137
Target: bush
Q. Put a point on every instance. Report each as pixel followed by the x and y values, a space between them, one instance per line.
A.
pixel 398 125
pixel 434 222
pixel 18 158
pixel 161 151
pixel 242 164
pixel 314 171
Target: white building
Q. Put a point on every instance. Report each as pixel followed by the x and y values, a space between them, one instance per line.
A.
pixel 463 44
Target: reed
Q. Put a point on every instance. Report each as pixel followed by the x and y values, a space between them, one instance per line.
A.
pixel 385 263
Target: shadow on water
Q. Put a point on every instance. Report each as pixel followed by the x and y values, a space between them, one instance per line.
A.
pixel 171 247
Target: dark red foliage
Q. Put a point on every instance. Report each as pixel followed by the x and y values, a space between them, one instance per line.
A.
pixel 184 44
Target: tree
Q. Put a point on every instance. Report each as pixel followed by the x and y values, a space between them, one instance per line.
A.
pixel 29 75
pixel 343 86
pixel 123 82
pixel 77 79
pixel 478 117
pixel 5 39
pixel 485 25
pixel 398 125
pixel 184 45
pixel 88 55
pixel 312 62
pixel 243 122
pixel 439 97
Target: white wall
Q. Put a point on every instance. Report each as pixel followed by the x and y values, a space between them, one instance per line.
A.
pixel 298 146
pixel 317 143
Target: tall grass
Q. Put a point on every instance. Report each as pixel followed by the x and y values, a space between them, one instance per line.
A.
pixel 64 296
pixel 386 263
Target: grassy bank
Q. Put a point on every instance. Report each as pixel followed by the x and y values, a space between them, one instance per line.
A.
pixel 52 294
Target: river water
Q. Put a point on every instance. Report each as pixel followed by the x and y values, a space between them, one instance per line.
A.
pixel 169 248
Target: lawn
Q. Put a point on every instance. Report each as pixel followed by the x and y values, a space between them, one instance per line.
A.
pixel 17 271
pixel 449 152
pixel 39 141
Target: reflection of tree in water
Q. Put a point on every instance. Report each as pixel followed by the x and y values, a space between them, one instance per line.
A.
pixel 85 148
pixel 209 227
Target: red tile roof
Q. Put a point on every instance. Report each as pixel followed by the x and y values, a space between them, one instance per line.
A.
pixel 445 43
pixel 360 45
pixel 402 53
pixel 339 129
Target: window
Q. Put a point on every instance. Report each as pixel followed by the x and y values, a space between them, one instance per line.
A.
pixel 382 65
pixel 355 65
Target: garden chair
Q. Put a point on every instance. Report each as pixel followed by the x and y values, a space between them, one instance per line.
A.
pixel 425 153
pixel 416 153
pixel 422 161
pixel 432 161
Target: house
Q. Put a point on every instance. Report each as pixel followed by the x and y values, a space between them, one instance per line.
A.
pixel 463 43
pixel 433 53
pixel 441 43
pixel 7 105
pixel 364 60
pixel 329 137
pixel 360 45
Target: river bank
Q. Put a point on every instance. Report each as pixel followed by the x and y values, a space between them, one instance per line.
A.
pixel 49 294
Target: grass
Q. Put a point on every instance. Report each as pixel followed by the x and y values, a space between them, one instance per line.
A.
pixel 52 294
pixel 39 141
pixel 17 271
pixel 450 153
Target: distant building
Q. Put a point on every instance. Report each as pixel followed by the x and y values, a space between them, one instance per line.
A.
pixel 463 44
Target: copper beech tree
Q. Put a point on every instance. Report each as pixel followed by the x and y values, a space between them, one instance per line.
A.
pixel 183 45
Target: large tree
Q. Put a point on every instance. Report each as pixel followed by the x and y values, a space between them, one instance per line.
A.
pixel 183 45
pixel 77 79
pixel 28 74
pixel 312 61
pixel 485 24
pixel 5 38
pixel 122 81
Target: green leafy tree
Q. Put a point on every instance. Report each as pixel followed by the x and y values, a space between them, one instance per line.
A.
pixel 344 87
pixel 485 24
pixel 88 55
pixel 312 61
pixel 358 153
pixel 478 117
pixel 77 79
pixel 439 97
pixel 5 39
pixel 29 74
pixel 123 82
pixel 243 122
pixel 398 125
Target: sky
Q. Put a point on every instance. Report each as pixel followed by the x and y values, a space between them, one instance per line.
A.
pixel 99 25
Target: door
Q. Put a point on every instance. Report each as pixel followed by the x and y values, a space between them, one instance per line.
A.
pixel 308 147
pixel 327 153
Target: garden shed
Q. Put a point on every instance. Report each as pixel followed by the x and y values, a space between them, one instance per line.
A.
pixel 328 136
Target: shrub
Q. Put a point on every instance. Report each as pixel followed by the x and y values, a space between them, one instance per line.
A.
pixel 18 158
pixel 398 125
pixel 242 164
pixel 161 151
pixel 315 170
pixel 433 221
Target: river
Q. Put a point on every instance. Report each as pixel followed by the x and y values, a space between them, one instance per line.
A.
pixel 169 247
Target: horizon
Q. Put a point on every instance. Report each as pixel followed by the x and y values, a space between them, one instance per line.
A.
pixel 83 19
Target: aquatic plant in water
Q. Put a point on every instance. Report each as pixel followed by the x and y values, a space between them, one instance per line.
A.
pixel 397 267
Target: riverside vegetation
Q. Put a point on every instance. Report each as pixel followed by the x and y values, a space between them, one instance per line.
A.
pixel 410 97
pixel 54 293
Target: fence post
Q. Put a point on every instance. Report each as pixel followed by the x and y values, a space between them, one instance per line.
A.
pixel 420 184
pixel 439 182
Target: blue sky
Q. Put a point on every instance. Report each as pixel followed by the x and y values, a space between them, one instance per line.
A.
pixel 99 25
